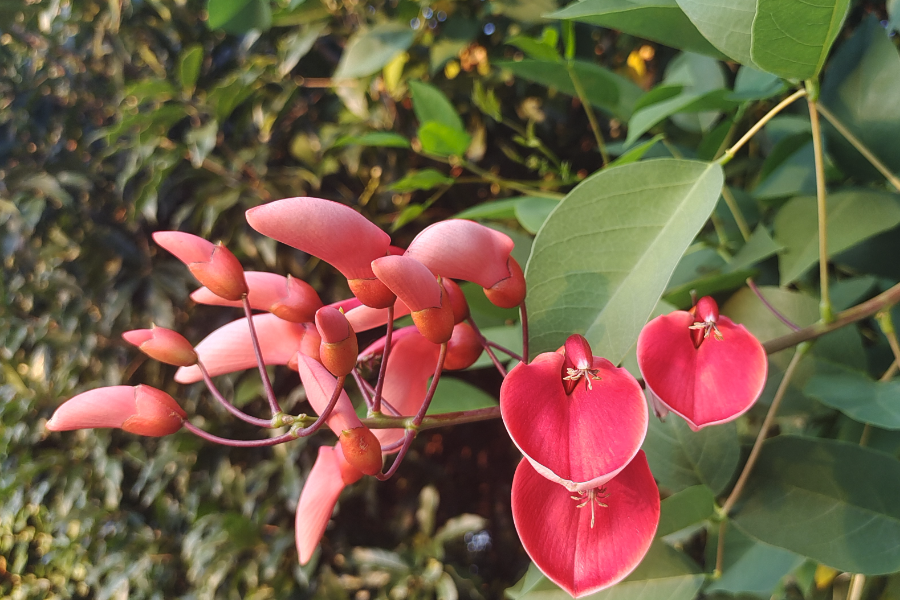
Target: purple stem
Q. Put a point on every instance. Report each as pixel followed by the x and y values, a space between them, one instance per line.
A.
pixel 774 310
pixel 487 348
pixel 407 442
pixel 524 314
pixel 286 437
pixel 228 405
pixel 433 388
pixel 376 400
pixel 364 388
pixel 264 375
pixel 335 396
pixel 504 350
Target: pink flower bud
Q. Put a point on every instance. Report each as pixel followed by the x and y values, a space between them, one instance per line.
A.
pixel 212 264
pixel 163 345
pixel 335 233
pixel 287 298
pixel 362 449
pixel 417 287
pixel 463 349
pixel 339 347
pixel 140 409
pixel 466 250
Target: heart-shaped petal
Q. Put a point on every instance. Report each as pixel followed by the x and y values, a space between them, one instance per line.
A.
pixel 589 541
pixel 582 439
pixel 706 385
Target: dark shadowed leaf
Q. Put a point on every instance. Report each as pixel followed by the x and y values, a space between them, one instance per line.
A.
pixel 830 501
pixel 681 458
pixel 685 508
pixel 856 395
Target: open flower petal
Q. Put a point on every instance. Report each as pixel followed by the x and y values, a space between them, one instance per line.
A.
pixel 713 383
pixel 362 318
pixel 332 231
pixel 288 298
pixel 229 348
pixel 557 532
pixel 319 385
pixel 328 477
pixel 580 440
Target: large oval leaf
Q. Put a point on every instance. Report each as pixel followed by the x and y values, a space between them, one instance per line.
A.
pixel 658 20
pixel 791 38
pixel 831 501
pixel 856 395
pixel 602 259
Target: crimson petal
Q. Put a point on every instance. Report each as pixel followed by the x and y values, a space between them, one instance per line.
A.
pixel 715 383
pixel 558 535
pixel 579 440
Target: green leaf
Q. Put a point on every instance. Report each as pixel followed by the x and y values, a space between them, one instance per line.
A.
pixel 425 179
pixel 658 20
pixel 794 175
pixel 239 16
pixel 371 49
pixel 532 211
pixel 856 395
pixel 751 84
pixel 637 153
pixel 189 67
pixel 759 247
pixel 853 216
pixel 536 49
pixel 645 118
pixel 830 501
pixel 681 458
pixel 749 566
pixel 486 101
pixel 603 257
pixel 443 140
pixel 868 61
pixel 497 209
pixel 725 23
pixel 603 88
pixel 201 141
pixel 453 395
pixel 791 38
pixel 664 573
pixel 431 105
pixel 688 507
pixel 376 139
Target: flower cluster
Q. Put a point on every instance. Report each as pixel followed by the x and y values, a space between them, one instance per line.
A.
pixel 584 501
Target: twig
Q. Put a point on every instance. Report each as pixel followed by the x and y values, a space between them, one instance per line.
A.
pixel 729 154
pixel 819 155
pixel 768 305
pixel 860 147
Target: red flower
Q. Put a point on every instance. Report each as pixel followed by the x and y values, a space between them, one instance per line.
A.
pixel 580 439
pixel 213 265
pixel 700 365
pixel 590 540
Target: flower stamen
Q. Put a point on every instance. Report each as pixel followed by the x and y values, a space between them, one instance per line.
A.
pixel 708 327
pixel 588 374
pixel 592 497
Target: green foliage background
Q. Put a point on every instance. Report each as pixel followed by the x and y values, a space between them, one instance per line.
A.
pixel 121 118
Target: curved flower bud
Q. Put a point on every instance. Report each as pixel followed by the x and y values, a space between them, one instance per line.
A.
pixel 457 300
pixel 287 298
pixel 229 348
pixel 416 286
pixel 463 349
pixel 580 439
pixel 140 409
pixel 509 292
pixel 163 345
pixel 588 541
pixel 362 449
pixel 328 477
pixel 335 233
pixel 702 366
pixel 212 264
pixel 339 347
pixel 467 250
